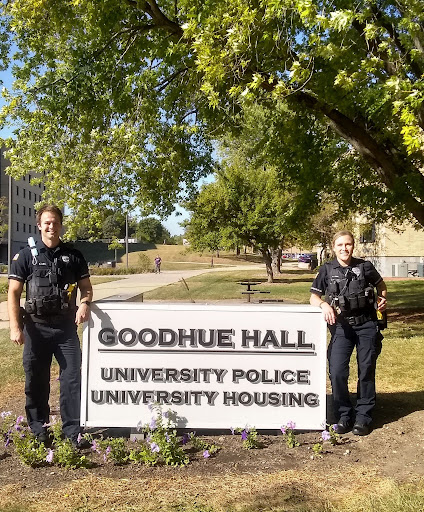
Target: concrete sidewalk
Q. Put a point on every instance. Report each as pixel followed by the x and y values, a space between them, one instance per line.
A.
pixel 134 285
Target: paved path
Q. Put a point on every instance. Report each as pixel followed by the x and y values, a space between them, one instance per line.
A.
pixel 135 284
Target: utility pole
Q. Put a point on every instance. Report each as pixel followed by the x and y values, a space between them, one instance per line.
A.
pixel 9 227
pixel 126 236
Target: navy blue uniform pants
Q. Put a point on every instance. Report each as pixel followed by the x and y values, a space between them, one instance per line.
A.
pixel 42 341
pixel 367 340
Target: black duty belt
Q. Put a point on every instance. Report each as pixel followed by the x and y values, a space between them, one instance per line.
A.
pixel 358 319
pixel 53 320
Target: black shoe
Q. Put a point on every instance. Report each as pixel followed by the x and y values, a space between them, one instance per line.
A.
pixel 359 429
pixel 81 444
pixel 44 438
pixel 343 426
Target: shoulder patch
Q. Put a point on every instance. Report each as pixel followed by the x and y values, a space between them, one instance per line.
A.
pixel 16 256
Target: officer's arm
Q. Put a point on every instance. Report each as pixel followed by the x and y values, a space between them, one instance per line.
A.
pixel 382 296
pixel 327 310
pixel 13 305
pixel 86 296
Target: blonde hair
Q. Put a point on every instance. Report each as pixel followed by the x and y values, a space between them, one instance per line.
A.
pixel 342 233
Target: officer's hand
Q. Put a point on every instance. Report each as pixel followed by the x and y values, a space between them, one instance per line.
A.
pixel 83 313
pixel 17 336
pixel 381 303
pixel 328 312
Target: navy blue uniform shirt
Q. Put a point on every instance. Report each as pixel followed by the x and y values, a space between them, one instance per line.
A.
pixel 321 281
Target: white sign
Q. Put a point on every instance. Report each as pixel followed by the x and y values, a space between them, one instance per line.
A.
pixel 214 366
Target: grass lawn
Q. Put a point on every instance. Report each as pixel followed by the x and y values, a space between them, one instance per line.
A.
pixel 292 286
pixel 175 257
pixel 356 488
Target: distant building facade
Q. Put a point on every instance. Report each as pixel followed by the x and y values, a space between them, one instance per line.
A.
pixel 387 247
pixel 21 197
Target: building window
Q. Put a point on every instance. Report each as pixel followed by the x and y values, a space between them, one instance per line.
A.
pixel 24 210
pixel 17 190
pixel 29 228
pixel 29 212
pixel 368 236
pixel 17 226
pixel 17 208
pixel 24 193
pixel 29 195
pixel 24 227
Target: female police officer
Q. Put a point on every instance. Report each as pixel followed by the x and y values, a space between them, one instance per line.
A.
pixel 349 309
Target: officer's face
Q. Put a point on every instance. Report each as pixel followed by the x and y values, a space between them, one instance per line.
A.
pixel 343 249
pixel 50 227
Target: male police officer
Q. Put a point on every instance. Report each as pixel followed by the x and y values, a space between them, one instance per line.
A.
pixel 350 311
pixel 51 271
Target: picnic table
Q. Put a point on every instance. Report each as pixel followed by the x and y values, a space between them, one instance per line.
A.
pixel 249 290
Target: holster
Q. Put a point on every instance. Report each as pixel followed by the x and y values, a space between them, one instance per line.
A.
pixel 22 318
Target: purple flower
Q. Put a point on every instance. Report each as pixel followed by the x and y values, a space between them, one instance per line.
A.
pixel 19 420
pixel 185 439
pixel 139 426
pixel 291 425
pixel 232 430
pixel 167 437
pixel 6 444
pixel 134 439
pixel 166 414
pixel 325 435
pixel 154 447
pixel 5 414
pixel 244 435
pixel 79 438
pixel 335 427
pixel 95 447
pixel 152 424
pixel 148 438
pixel 283 429
pixel 206 454
pixel 150 406
pixel 49 457
pixel 108 450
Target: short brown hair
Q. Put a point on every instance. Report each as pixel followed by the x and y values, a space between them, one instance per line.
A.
pixel 342 233
pixel 52 208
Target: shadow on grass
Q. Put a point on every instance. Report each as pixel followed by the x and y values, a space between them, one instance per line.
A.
pixel 390 407
pixel 393 406
pixel 286 497
pixel 409 315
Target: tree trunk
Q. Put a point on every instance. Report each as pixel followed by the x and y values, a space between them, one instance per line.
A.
pixel 266 255
pixel 276 260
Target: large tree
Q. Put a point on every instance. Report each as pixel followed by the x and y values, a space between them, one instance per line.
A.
pixel 118 99
pixel 244 206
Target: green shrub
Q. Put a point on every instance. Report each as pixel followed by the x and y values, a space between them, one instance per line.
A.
pixel 144 262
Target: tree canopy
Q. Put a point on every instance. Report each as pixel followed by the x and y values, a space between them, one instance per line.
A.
pixel 116 100
pixel 244 206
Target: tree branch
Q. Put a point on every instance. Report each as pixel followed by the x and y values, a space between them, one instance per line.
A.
pixel 162 85
pixel 415 67
pixel 390 170
pixel 151 8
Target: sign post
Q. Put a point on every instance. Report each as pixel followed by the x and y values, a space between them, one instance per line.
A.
pixel 214 366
